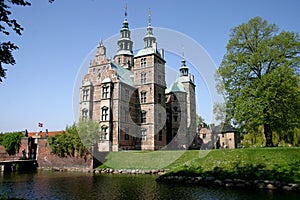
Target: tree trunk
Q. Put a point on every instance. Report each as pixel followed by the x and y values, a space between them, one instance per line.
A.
pixel 268 135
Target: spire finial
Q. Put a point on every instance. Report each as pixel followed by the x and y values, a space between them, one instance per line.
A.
pixel 149 17
pixel 183 60
pixel 126 9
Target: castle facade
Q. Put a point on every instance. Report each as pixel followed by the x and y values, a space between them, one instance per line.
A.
pixel 129 98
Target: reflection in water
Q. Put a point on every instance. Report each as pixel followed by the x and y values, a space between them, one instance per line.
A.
pixel 62 185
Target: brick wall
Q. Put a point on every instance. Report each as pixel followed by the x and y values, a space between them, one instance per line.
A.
pixel 46 159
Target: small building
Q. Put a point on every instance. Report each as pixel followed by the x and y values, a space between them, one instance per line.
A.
pixel 217 137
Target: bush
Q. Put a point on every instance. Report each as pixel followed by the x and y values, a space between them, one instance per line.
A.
pixel 67 144
pixel 11 142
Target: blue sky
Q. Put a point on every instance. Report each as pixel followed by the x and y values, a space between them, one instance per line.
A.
pixel 58 37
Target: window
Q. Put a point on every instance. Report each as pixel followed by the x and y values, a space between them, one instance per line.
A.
pixel 103 134
pixel 104 113
pixel 85 94
pixel 84 114
pixel 175 109
pixel 160 135
pixel 159 98
pixel 175 118
pixel 223 135
pixel 143 78
pixel 94 70
pixel 144 134
pixel 143 62
pixel 175 98
pixel 143 97
pixel 204 136
pixel 126 133
pixel 119 60
pixel 143 116
pixel 105 91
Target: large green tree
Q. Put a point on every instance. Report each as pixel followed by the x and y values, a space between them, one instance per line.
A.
pixel 259 77
pixel 8 25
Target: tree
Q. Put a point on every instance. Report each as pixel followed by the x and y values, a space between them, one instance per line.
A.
pixel 11 142
pixel 200 122
pixel 6 22
pixel 259 78
pixel 68 143
pixel 88 131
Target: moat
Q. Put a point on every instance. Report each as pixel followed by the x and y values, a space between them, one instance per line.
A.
pixel 65 185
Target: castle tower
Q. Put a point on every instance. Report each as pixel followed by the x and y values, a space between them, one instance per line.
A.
pixel 188 81
pixel 149 78
pixel 124 56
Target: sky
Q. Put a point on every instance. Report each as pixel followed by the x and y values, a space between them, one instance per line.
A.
pixel 58 37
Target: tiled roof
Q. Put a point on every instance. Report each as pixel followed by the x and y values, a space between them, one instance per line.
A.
pixel 43 134
pixel 224 129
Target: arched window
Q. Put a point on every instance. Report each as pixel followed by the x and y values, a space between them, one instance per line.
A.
pixel 103 134
pixel 105 92
pixel 143 97
pixel 104 113
pixel 143 116
pixel 84 113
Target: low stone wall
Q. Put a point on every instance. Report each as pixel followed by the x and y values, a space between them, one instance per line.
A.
pixel 230 183
pixel 128 171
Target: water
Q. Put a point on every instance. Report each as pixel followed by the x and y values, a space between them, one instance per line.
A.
pixel 64 185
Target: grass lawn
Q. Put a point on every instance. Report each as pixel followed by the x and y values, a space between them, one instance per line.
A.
pixel 249 163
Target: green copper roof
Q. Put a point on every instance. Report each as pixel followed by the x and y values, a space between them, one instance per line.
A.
pixel 183 79
pixel 124 75
pixel 124 52
pixel 176 87
pixel 147 51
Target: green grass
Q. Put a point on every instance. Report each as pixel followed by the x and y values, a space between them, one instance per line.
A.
pixel 249 163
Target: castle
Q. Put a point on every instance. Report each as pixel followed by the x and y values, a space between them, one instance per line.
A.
pixel 128 97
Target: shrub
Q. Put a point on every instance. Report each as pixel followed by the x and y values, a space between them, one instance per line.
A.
pixel 11 142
